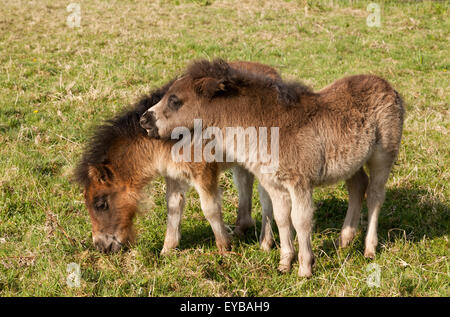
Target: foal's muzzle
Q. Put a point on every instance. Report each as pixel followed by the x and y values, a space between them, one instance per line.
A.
pixel 107 244
pixel 148 122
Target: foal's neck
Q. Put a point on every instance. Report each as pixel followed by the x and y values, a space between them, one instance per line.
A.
pixel 136 160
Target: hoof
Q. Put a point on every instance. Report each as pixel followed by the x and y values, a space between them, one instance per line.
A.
pixel 343 243
pixel 243 226
pixel 239 231
pixel 370 254
pixel 346 238
pixel 285 263
pixel 266 245
pixel 166 251
pixel 305 272
pixel 284 268
pixel 224 248
pixel 305 267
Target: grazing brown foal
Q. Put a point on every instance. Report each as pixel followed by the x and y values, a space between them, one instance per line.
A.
pixel 120 160
pixel 324 137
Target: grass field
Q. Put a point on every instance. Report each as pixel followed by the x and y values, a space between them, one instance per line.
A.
pixel 57 82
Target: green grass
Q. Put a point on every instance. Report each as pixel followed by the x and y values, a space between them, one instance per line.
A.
pixel 57 82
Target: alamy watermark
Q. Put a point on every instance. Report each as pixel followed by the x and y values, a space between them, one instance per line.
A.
pixel 241 145
pixel 73 275
pixel 374 18
pixel 374 278
pixel 74 18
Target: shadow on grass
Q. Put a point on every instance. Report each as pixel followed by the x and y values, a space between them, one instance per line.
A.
pixel 407 214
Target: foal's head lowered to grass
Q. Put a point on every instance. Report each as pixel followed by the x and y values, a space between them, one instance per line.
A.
pixel 111 172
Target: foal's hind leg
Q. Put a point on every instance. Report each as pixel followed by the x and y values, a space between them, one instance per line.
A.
pixel 266 236
pixel 244 182
pixel 356 186
pixel 302 217
pixel 175 191
pixel 379 168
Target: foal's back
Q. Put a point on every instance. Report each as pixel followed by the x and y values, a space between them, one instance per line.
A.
pixel 355 117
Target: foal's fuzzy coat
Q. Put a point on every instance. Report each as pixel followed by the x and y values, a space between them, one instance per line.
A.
pixel 324 137
pixel 120 160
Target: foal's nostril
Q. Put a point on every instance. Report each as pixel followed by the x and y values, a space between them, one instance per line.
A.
pixel 116 246
pixel 143 121
pixel 99 245
pixel 108 248
pixel 147 120
pixel 108 244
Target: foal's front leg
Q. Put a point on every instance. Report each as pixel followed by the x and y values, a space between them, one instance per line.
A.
pixel 175 199
pixel 211 203
pixel 281 204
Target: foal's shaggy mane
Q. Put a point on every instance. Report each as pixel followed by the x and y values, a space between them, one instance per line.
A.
pixel 289 93
pixel 124 125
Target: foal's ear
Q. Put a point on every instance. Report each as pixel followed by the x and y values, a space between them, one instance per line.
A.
pixel 101 173
pixel 211 87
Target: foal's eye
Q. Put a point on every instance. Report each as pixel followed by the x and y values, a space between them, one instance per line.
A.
pixel 101 203
pixel 174 103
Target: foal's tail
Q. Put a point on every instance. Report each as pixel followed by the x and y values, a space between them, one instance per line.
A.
pixel 390 123
pixel 400 104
